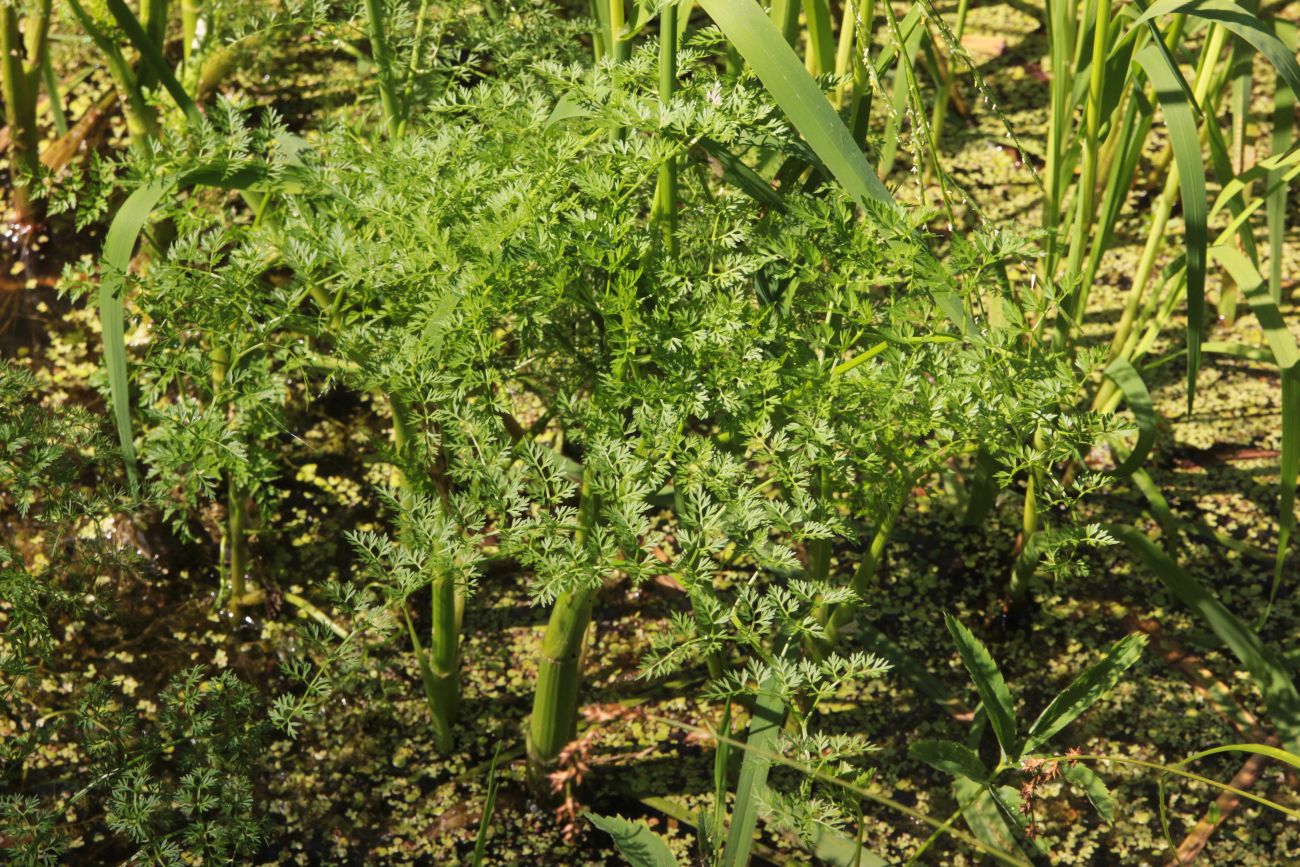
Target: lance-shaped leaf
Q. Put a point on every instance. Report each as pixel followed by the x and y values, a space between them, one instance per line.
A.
pixel 1085 690
pixel 990 685
pixel 951 758
pixel 636 842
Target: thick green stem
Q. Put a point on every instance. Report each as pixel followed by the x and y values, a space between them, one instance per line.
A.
pixel 860 97
pixel 1027 556
pixel 440 693
pixel 559 677
pixel 945 88
pixel 236 541
pixel 620 47
pixel 1087 187
pixel 665 210
pixel 23 43
pixel 141 117
pixel 190 16
pixel 384 61
pixel 559 665
pixel 1060 33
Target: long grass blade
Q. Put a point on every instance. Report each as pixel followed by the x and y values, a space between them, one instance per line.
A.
pixel 1270 677
pixel 1130 384
pixel 769 713
pixel 1244 24
pixel 798 95
pixel 1287 355
pixel 1284 102
pixel 119 247
pixel 1180 118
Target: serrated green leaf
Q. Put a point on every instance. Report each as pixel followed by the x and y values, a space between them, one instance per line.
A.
pixel 951 758
pixel 1085 690
pixel 990 685
pixel 635 841
pixel 1095 788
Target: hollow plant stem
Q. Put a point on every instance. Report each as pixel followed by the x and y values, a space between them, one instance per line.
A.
pixel 388 96
pixel 944 95
pixel 559 665
pixel 666 192
pixel 23 41
pixel 1087 188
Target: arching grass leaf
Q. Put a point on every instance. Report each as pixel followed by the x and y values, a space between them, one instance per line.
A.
pixel 1272 680
pixel 1180 117
pixel 798 95
pixel 1130 384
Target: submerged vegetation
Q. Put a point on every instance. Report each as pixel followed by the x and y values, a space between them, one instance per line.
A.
pixel 521 432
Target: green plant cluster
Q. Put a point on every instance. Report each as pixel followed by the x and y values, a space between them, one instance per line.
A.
pixel 622 300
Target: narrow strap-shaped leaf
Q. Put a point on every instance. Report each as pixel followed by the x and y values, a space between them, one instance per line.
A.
pixel 1085 690
pixel 1284 101
pixel 1244 24
pixel 152 55
pixel 990 685
pixel 1130 384
pixel 1274 167
pixel 798 95
pixel 1287 355
pixel 1180 117
pixel 119 247
pixel 769 713
pixel 1271 752
pixel 1272 680
pixel 635 841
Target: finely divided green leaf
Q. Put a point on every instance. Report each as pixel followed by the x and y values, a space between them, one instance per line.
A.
pixel 636 842
pixel 988 681
pixel 1085 690
pixel 951 758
